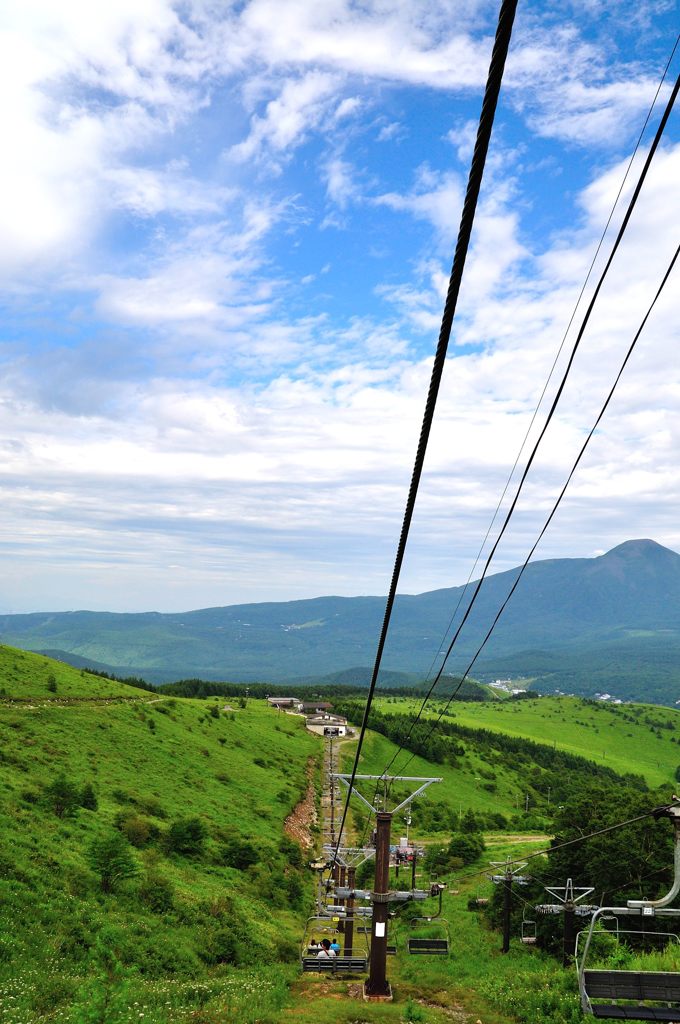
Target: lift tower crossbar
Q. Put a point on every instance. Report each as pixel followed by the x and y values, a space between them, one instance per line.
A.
pixel 388 779
pixel 377 985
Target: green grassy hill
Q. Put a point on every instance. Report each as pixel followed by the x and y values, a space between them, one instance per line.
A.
pixel 27 676
pixel 144 868
pixel 628 738
pixel 139 774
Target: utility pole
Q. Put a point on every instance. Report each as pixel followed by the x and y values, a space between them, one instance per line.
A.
pixel 341 881
pixel 569 940
pixel 349 922
pixel 511 874
pixel 377 984
pixel 332 782
pixel 507 907
pixel 569 896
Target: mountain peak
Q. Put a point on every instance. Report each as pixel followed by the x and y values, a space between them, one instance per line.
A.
pixel 643 548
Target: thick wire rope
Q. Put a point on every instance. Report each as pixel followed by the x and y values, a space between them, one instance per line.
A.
pixel 556 505
pixel 575 347
pixel 538 405
pixel 495 76
pixel 558 354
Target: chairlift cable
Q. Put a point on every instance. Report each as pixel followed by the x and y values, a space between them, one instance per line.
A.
pixel 629 211
pixel 555 360
pixel 494 79
pixel 556 505
pixel 533 419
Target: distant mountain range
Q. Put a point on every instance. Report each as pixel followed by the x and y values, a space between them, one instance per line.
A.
pixel 580 625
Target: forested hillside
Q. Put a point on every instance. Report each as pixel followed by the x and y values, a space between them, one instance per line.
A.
pixel 577 625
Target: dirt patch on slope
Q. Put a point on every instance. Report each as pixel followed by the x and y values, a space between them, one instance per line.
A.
pixel 299 823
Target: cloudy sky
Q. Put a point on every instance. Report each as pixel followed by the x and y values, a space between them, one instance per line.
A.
pixel 227 231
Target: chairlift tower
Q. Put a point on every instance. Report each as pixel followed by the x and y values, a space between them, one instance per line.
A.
pixel 569 897
pixel 377 986
pixel 510 874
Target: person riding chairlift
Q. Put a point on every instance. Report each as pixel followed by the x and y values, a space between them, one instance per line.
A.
pixel 325 952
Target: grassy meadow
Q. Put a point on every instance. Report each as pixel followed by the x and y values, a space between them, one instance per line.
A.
pixel 145 874
pixel 643 739
pixel 190 903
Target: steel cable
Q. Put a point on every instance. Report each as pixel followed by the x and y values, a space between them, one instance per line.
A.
pixel 494 79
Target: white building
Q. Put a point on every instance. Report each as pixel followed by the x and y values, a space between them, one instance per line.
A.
pixel 327 725
pixel 285 703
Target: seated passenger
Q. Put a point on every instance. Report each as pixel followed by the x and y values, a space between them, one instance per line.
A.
pixel 325 953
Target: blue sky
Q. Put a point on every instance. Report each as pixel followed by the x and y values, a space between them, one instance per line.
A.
pixel 227 234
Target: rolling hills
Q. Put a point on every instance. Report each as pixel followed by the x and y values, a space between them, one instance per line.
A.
pixel 581 625
pixel 144 867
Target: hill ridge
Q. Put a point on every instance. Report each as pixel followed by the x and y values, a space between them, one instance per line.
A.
pixel 609 622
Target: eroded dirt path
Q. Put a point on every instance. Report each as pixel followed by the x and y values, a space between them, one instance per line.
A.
pixel 298 824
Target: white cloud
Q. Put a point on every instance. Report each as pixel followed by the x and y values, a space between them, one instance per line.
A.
pixel 436 198
pixel 299 107
pixel 261 435
pixel 340 187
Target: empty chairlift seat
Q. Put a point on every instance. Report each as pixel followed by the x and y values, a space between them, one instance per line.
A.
pixel 430 947
pixel 648 989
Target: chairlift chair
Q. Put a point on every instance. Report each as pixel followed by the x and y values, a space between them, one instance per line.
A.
pixel 610 919
pixel 528 933
pixel 437 945
pixel 647 995
pixel 339 964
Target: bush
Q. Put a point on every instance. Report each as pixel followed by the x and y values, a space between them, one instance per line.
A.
pixel 137 830
pixel 186 835
pixel 238 853
pixel 88 797
pixel 111 858
pixel 292 851
pixel 157 893
pixel 62 796
pixel 152 805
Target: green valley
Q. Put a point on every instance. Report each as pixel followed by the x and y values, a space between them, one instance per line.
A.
pixel 146 874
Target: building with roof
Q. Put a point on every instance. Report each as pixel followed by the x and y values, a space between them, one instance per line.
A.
pixel 327 725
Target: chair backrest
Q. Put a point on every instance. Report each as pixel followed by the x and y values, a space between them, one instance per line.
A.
pixel 335 964
pixel 641 985
pixel 440 946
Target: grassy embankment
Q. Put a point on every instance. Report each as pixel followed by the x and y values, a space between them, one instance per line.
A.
pixel 637 738
pixel 201 922
pixel 191 937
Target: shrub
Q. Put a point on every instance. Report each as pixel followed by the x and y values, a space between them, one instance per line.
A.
pixel 51 683
pixel 238 853
pixel 157 893
pixel 62 796
pixel 88 797
pixel 186 835
pixel 137 830
pixel 152 805
pixel 54 990
pixel 111 858
pixel 292 851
